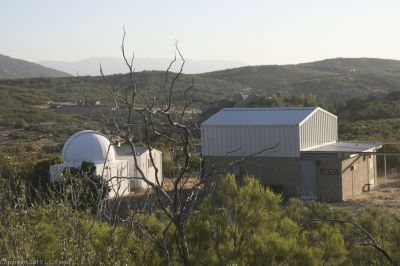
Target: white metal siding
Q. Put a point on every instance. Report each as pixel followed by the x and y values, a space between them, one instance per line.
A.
pixel 115 173
pixel 249 140
pixel 244 132
pixel 259 116
pixel 318 129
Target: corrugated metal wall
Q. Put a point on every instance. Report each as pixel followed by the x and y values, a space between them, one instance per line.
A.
pixel 249 140
pixel 318 129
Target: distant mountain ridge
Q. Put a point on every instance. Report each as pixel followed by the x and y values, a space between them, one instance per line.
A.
pixel 115 65
pixel 12 68
pixel 331 80
pixel 353 64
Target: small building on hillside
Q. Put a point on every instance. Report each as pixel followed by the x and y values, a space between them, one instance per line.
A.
pixel 114 163
pixel 293 150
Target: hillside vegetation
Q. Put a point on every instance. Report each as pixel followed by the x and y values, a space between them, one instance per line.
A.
pixel 329 80
pixel 29 118
pixel 362 92
pixel 11 68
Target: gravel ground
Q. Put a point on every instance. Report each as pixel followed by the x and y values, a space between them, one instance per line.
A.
pixel 385 195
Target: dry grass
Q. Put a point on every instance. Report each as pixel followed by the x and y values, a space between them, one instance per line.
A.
pixel 385 195
pixel 168 186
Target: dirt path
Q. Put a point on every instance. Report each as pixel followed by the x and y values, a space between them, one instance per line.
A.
pixel 386 195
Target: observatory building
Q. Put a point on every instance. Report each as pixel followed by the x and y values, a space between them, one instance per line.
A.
pixel 292 150
pixel 115 164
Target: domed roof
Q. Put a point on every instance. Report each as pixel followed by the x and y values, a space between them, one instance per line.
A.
pixel 89 146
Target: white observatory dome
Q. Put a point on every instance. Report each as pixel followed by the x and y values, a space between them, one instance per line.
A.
pixel 89 146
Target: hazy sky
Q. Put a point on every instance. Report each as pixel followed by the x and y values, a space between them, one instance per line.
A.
pixel 255 32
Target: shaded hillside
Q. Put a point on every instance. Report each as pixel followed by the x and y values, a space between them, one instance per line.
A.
pixel 330 80
pixel 11 68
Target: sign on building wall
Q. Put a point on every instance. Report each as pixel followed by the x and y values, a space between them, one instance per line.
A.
pixel 326 171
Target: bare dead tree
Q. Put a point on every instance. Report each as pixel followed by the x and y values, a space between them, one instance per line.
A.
pixel 138 118
pixel 361 236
